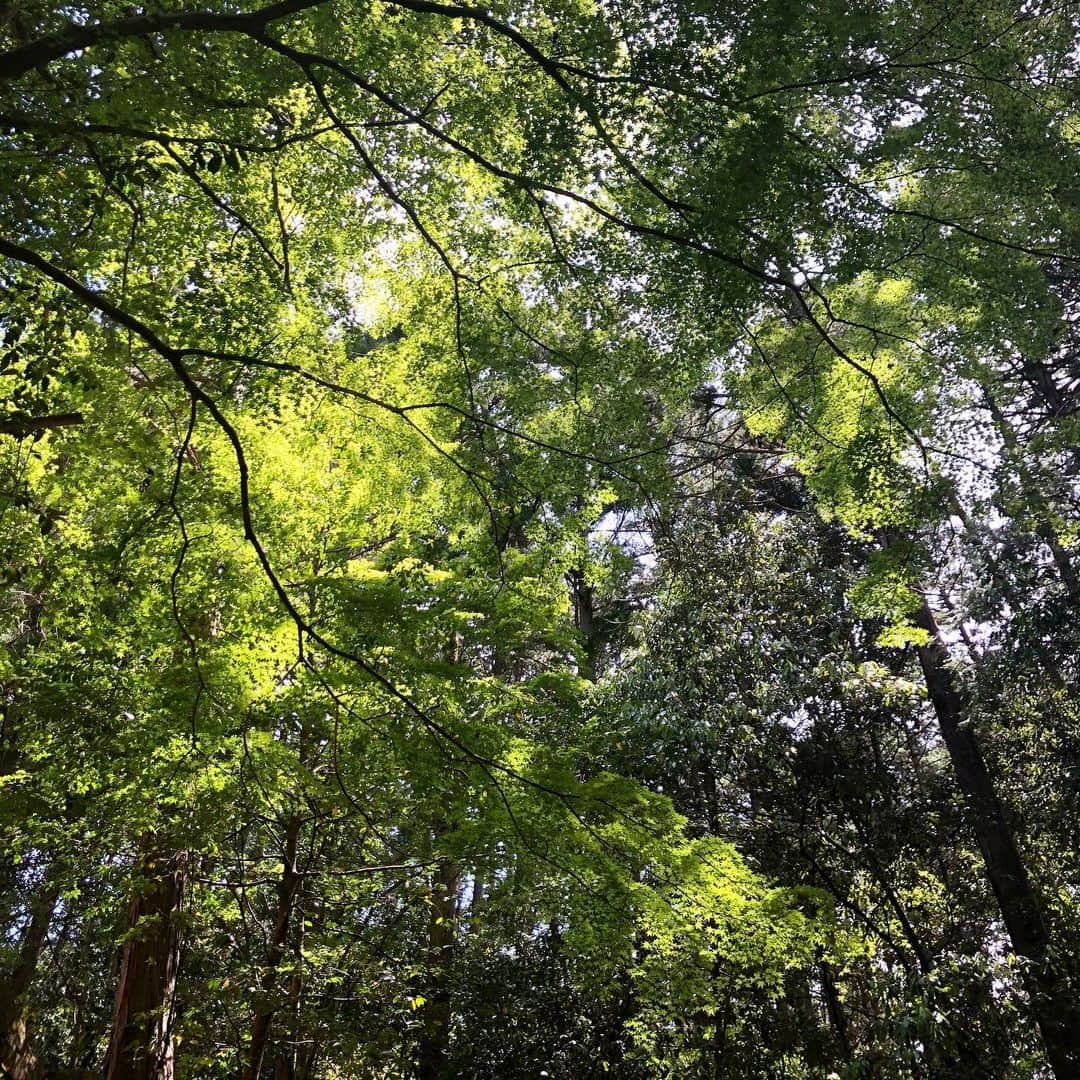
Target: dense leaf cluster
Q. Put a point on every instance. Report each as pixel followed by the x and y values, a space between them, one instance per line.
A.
pixel 539 540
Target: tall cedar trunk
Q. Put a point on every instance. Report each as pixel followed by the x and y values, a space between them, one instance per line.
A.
pixel 434 1049
pixel 584 601
pixel 834 1008
pixel 1017 900
pixel 17 1058
pixel 288 889
pixel 141 1044
pixel 442 935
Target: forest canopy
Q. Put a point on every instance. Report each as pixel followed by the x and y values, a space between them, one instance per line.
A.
pixel 540 540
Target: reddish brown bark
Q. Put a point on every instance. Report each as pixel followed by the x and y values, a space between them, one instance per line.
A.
pixel 141 1045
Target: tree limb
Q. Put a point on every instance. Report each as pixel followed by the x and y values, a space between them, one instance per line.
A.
pixel 33 425
pixel 17 62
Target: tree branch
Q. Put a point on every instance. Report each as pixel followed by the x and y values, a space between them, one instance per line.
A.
pixel 17 62
pixel 33 425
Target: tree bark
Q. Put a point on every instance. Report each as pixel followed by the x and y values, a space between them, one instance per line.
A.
pixel 288 888
pixel 34 425
pixel 141 1044
pixel 834 1008
pixel 584 601
pixel 1018 902
pixel 442 937
pixel 37 54
pixel 18 1061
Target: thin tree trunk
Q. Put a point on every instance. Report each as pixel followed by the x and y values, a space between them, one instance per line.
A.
pixel 584 602
pixel 291 1061
pixel 1017 899
pixel 834 1008
pixel 881 876
pixel 288 888
pixel 18 1060
pixel 442 936
pixel 141 1045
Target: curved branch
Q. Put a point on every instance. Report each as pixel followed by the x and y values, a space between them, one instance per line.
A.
pixel 17 62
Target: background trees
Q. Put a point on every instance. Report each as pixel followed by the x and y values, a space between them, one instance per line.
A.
pixel 538 540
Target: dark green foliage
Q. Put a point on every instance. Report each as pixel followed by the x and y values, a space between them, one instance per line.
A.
pixel 539 540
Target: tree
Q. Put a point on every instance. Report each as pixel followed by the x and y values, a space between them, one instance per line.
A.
pixel 328 379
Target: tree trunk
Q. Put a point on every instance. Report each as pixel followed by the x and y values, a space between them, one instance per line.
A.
pixel 1017 899
pixel 288 888
pixel 834 1008
pixel 17 1058
pixel 584 601
pixel 442 937
pixel 141 1045
pixel 294 1059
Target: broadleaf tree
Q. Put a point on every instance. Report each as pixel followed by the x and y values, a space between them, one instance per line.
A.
pixel 539 540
